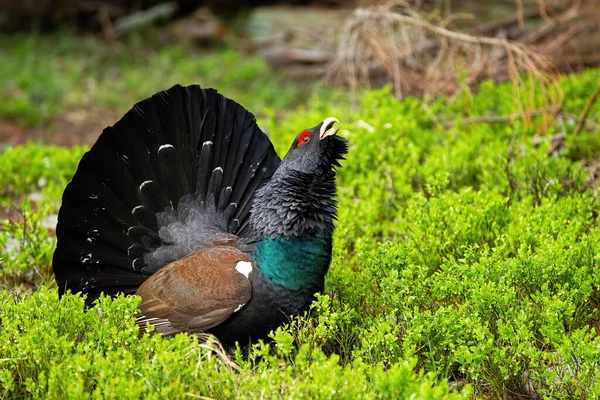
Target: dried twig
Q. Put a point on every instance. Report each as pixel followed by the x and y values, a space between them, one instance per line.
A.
pixel 197 396
pixel 587 109
pixel 492 119
pixel 419 56
pixel 106 24
pixel 501 119
pixel 212 344
pixel 144 18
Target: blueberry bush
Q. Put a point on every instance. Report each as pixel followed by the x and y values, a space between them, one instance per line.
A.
pixel 466 265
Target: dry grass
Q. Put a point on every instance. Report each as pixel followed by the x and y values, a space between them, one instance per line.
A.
pixel 423 54
pixel 420 55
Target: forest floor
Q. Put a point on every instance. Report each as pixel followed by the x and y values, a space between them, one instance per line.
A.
pixel 466 258
pixel 64 89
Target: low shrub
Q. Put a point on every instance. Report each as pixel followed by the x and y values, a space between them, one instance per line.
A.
pixel 465 264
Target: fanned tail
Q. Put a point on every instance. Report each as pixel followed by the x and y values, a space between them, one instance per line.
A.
pixel 176 172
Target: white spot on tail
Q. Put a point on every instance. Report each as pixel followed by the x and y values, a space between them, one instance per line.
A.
pixel 144 184
pixel 165 146
pixel 244 268
pixel 207 143
pixel 218 169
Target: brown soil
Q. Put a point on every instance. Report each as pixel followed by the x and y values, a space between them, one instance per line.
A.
pixel 81 127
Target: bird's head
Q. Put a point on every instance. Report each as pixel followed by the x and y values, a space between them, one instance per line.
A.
pixel 299 199
pixel 316 150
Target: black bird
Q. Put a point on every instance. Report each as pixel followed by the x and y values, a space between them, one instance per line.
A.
pixel 185 202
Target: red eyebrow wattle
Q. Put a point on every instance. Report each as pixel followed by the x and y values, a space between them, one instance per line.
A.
pixel 302 136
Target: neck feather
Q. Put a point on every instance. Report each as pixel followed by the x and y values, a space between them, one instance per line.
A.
pixel 294 263
pixel 294 203
pixel 292 224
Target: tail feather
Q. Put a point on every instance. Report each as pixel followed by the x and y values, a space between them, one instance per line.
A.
pixel 224 198
pixel 205 162
pixel 224 126
pixel 252 179
pixel 172 172
pixel 145 217
pixel 152 196
pixel 96 253
pixel 214 187
pixel 176 172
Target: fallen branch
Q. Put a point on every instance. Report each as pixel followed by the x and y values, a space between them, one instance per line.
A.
pixel 499 119
pixel 145 18
pixel 281 56
pixel 506 24
pixel 495 119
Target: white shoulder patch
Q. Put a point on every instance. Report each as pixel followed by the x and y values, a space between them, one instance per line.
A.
pixel 244 268
pixel 165 146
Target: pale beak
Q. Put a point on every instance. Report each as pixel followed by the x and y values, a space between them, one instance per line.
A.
pixel 327 128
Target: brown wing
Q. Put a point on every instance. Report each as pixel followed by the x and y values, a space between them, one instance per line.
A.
pixel 197 292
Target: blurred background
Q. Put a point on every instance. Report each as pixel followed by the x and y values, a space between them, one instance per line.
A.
pixel 71 67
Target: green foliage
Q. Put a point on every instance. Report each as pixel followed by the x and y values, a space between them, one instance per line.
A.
pixel 42 76
pixel 25 250
pixel 37 168
pixel 57 349
pixel 466 263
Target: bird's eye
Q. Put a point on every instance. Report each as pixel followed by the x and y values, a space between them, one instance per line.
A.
pixel 304 138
